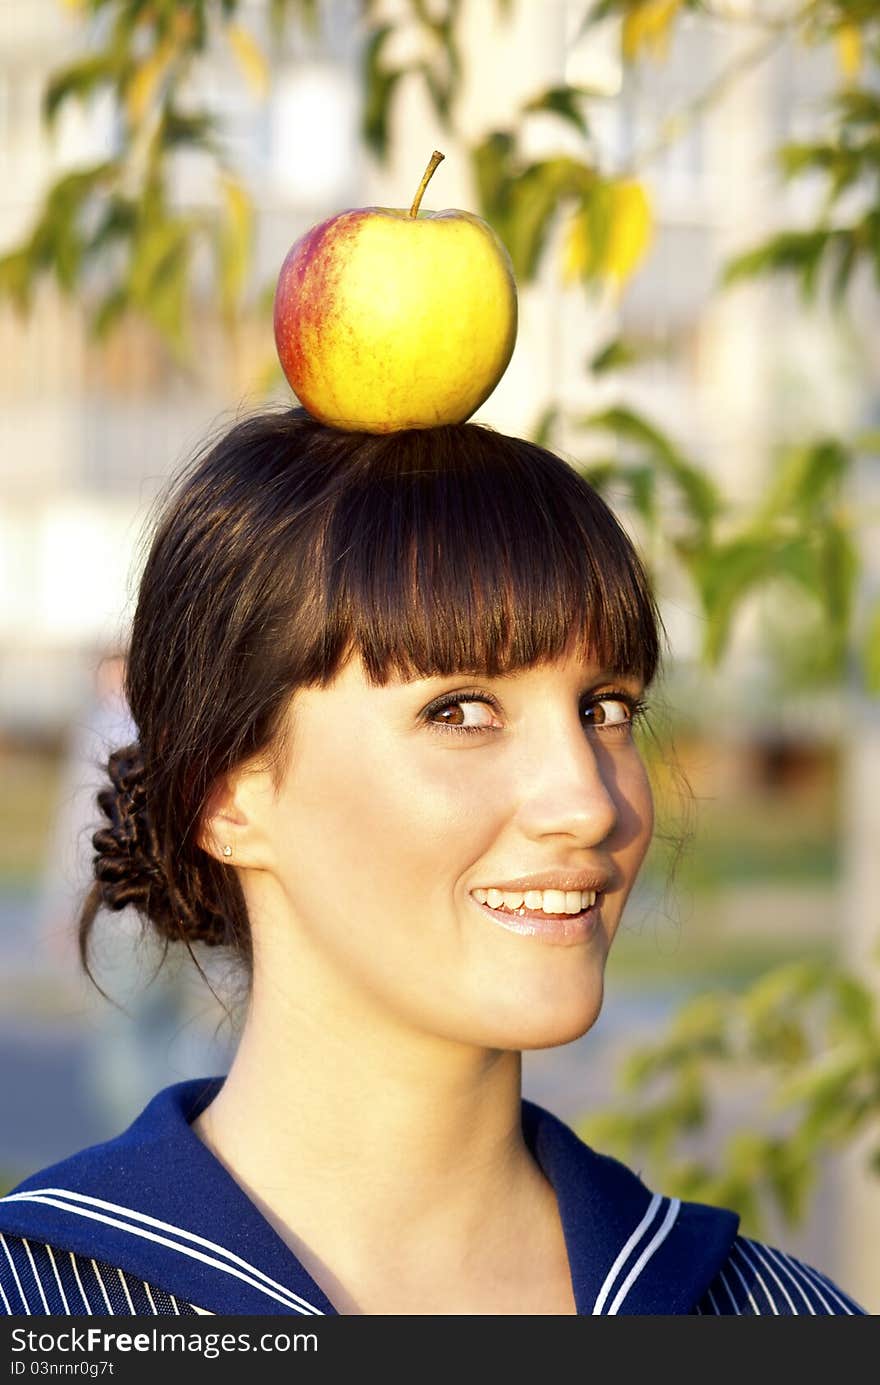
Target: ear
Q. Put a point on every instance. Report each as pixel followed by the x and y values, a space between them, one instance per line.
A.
pixel 233 817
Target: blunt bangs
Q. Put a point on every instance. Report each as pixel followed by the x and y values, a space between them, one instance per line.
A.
pixel 460 549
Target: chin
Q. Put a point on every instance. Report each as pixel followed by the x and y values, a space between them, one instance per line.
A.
pixel 547 1021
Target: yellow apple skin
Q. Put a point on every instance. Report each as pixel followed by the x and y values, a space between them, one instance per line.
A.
pixel 385 321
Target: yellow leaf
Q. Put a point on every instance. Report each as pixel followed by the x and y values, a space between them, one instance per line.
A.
pixel 250 57
pixel 183 25
pixel 237 240
pixel 631 230
pixel 647 26
pixel 848 43
pixel 239 208
pixel 575 248
pixel 145 82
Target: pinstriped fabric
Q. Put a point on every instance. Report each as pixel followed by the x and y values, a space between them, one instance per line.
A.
pixel 40 1279
pixel 760 1279
pixel 183 1242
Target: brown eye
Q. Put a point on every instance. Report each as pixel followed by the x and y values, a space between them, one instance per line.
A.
pixel 449 714
pixel 606 718
pixel 629 709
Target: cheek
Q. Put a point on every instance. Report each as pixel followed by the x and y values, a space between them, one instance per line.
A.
pixel 643 804
pixel 369 818
pixel 635 824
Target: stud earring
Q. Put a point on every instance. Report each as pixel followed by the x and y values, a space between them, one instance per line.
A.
pixel 227 851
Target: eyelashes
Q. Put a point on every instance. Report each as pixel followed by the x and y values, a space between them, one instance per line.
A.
pixel 636 706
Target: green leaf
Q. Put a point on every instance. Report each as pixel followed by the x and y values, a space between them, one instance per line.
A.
pixel 803 480
pixel 57 241
pixel 280 12
pixel 379 86
pixel 856 1013
pixel 795 159
pixel 819 554
pixel 541 432
pixel 603 474
pixel 166 303
pixel 521 202
pixel 598 210
pixel 846 247
pixel 536 196
pixel 16 274
pixel 788 984
pixel 797 252
pixel 158 254
pixel 109 312
pixel 702 1021
pixel 81 79
pixel 699 491
pixel 824 1081
pixel 71 190
pixel 724 573
pixel 615 355
pixel 791 1174
pixel 857 106
pixel 564 102
pixel 746 1155
pixel 643 484
pixel 491 167
pixel 180 128
pixel 605 1131
pixel 839 567
pixel 871 652
pixel 118 221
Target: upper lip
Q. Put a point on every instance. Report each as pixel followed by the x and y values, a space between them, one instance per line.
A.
pixel 551 879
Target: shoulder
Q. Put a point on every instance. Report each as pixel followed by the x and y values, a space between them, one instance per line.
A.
pixel 37 1277
pixel 97 1208
pixel 758 1278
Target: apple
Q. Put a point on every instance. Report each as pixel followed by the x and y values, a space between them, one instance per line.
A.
pixel 388 319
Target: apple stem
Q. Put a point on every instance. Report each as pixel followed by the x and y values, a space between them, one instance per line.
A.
pixel 436 158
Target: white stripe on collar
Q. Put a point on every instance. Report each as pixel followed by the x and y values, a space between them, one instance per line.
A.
pixel 650 1249
pixel 641 1231
pixel 51 1196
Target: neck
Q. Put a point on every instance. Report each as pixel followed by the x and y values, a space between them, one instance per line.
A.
pixel 341 1133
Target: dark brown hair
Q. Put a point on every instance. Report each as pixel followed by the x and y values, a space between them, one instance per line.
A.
pixel 287 546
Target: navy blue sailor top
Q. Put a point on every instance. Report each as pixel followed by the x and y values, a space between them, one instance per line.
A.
pixel 150 1222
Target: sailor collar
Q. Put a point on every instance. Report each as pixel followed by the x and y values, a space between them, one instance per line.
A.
pixel 157 1203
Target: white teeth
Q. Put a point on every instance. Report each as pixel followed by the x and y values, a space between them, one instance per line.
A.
pixel 550 901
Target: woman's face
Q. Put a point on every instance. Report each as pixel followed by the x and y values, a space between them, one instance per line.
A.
pixel 388 817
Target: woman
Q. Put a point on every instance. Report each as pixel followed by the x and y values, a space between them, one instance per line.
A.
pixel 385 689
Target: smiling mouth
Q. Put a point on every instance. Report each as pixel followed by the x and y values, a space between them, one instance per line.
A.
pixel 495 903
pixel 523 913
pixel 534 924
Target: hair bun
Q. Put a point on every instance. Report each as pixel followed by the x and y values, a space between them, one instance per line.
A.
pixel 129 868
pixel 127 864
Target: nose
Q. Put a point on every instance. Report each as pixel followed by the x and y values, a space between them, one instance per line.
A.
pixel 567 784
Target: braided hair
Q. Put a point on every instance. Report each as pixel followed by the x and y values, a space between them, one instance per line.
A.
pixel 129 866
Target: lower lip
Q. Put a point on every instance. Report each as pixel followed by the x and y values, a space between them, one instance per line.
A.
pixel 547 928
